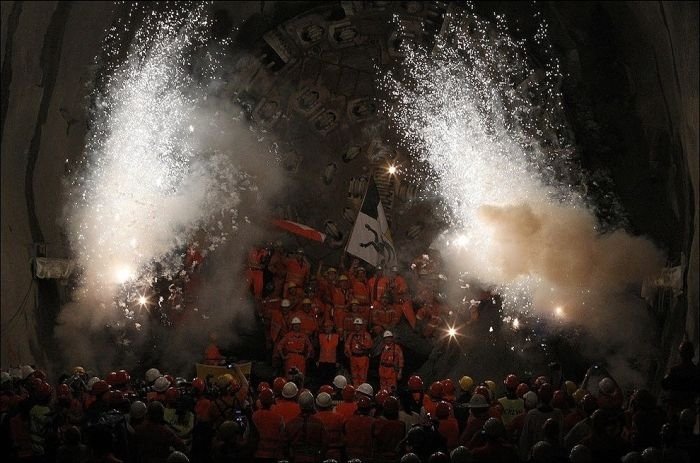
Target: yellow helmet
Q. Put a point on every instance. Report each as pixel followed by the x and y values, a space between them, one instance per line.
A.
pixel 570 387
pixel 491 385
pixel 579 394
pixel 466 383
pixel 224 380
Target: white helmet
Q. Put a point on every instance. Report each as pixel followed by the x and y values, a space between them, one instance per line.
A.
pixel 606 385
pixel 530 399
pixel 296 321
pixel 152 374
pixel 388 334
pixel 177 457
pixel 91 382
pixel 26 370
pixel 306 400
pixel 161 384
pixel 358 321
pixel 289 391
pixel 340 382
pixel 323 400
pixel 5 377
pixel 366 389
pixel 137 410
pixel 285 303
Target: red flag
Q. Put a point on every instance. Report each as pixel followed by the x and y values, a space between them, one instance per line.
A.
pixel 300 229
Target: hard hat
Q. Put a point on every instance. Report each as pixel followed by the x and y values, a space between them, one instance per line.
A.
pixel 100 387
pixel 381 397
pixel 266 397
pixel 589 403
pixel 278 384
pixel 327 388
pixel 152 374
pixel 439 457
pixel 540 381
pixel 606 385
pixel 415 383
pixel 5 377
pixel 331 270
pixel 137 410
pixel 229 430
pixel 291 284
pixel 579 394
pixel 361 269
pixel 290 390
pixel 559 399
pixel 285 303
pixel 177 457
pixel 172 395
pixel 391 404
pixel 262 385
pixel 436 390
pixel 25 371
pixel 466 383
pixel 306 301
pixel 111 378
pixel 570 387
pixel 349 393
pixel 199 385
pixel 494 428
pixel 448 387
pixel 442 410
pixel 116 398
pixel 296 321
pixel 511 382
pixel 161 384
pixel 91 382
pixel 44 390
pixel 491 385
pixel 354 302
pixel 484 392
pixel 123 377
pixel 63 391
pixel 78 370
pixel 521 390
pixel 342 278
pixel 394 268
pixel 323 400
pixel 545 393
pixel 582 454
pixel 461 455
pixel 379 268
pixel 358 321
pixel 340 382
pixel 363 403
pixel 388 334
pixel 306 401
pixel 530 399
pixel 366 389
pixel 300 251
pixel 478 401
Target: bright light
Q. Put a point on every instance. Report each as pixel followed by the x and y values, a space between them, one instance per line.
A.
pixel 143 300
pixel 452 332
pixel 461 241
pixel 123 274
pixel 391 170
pixel 559 312
pixel 516 323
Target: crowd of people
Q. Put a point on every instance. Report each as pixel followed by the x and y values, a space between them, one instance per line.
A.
pixel 159 418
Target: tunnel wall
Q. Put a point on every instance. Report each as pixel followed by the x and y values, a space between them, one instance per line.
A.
pixel 48 52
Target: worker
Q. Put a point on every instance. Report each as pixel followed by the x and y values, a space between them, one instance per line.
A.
pixel 267 307
pixel 257 259
pixel 334 423
pixel 447 424
pixel 328 352
pixel 360 286
pixel 348 406
pixel 270 428
pixel 434 396
pixel 279 321
pixel 277 265
pixel 388 432
pixel 430 314
pixel 378 284
pixel 309 325
pixel 357 348
pixel 397 284
pixel 287 405
pixel 295 348
pixel 295 295
pixel 448 391
pixel 511 404
pixel 358 431
pixel 298 270
pixel 478 414
pixel 212 354
pixel 327 281
pixel 390 363
pixel 354 312
pixel 227 404
pixel 307 439
pixel 384 315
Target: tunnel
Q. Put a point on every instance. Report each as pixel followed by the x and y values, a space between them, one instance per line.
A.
pixel 308 94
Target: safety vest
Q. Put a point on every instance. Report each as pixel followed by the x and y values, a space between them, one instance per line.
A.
pixel 297 273
pixel 392 356
pixel 270 426
pixel 511 408
pixel 377 286
pixel 294 343
pixel 359 343
pixel 328 345
pixel 360 290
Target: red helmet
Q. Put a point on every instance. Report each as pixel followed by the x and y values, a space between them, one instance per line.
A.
pixel 267 397
pixel 172 395
pixel 511 382
pixel 521 390
pixel 443 409
pixel 363 403
pixel 448 387
pixel 35 383
pixel 436 390
pixel 545 393
pixel 328 389
pixel 123 377
pixel 41 374
pixel 559 399
pixel 170 379
pixel 278 384
pixel 484 392
pixel 439 457
pixel 391 404
pixel 100 387
pixel 44 390
pixel 263 385
pixel 116 397
pixel 415 383
pixel 540 381
pixel 63 391
pixel 381 397
pixel 349 393
pixel 199 385
pixel 112 379
pixel 589 403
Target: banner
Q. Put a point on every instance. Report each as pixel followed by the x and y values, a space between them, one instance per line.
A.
pixel 300 229
pixel 240 372
pixel 371 238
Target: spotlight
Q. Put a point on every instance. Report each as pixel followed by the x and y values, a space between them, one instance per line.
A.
pixel 452 332
pixel 123 274
pixel 391 170
pixel 143 300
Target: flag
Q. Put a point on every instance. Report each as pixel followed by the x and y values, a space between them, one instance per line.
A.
pixel 300 229
pixel 370 239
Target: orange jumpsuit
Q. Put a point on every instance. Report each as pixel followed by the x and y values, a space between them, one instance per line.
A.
pixel 287 408
pixel 346 409
pixel 297 272
pixel 254 274
pixel 360 289
pixel 449 429
pixel 390 363
pixel 270 426
pixel 295 348
pixel 357 346
pixel 430 313
pixel 384 318
pixel 278 325
pixel 278 268
pixel 309 325
pixel 377 286
pixel 358 436
pixel 212 355
pixel 334 423
pixel 328 345
pixel 336 315
pixel 398 287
